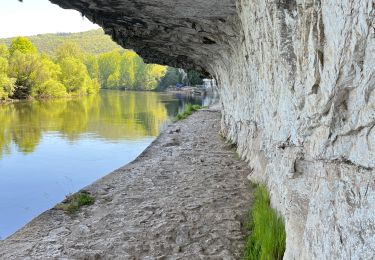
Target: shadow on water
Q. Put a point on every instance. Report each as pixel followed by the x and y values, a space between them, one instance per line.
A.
pixel 51 148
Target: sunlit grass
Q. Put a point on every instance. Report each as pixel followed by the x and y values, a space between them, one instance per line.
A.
pixel 189 109
pixel 267 232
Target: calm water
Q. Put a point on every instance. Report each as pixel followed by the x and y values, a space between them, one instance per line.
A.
pixel 49 149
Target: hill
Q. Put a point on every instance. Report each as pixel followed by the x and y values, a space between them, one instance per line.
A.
pixel 93 42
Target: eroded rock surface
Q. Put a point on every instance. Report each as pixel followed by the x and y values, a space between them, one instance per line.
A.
pixel 185 197
pixel 297 85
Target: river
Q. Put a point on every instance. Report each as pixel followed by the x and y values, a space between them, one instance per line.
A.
pixel 49 149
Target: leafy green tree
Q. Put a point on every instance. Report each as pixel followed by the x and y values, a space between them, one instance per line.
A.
pixel 152 74
pixel 171 78
pixel 108 65
pixel 127 69
pixel 92 86
pixel 46 70
pixel 49 88
pixel 92 65
pixel 194 78
pixel 23 45
pixel 73 75
pixel 7 86
pixel 113 80
pixel 4 52
pixel 69 49
pixel 23 67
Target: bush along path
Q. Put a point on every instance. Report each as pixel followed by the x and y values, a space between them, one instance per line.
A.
pixel 185 197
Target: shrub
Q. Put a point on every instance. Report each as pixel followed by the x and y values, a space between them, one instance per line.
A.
pixel 74 202
pixel 50 88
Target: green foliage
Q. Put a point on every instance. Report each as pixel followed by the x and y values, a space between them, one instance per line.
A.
pixel 174 76
pixel 69 49
pixel 4 52
pixel 7 86
pixel 126 70
pixel 189 109
pixel 73 75
pixel 23 45
pixel 93 42
pixel 74 202
pixel 108 68
pixel 27 73
pixel 49 89
pixel 171 78
pixel 24 67
pixel 92 86
pixel 267 238
pixel 194 78
pixel 92 66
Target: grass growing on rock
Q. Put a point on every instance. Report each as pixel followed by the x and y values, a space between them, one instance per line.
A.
pixel 74 202
pixel 267 232
pixel 190 109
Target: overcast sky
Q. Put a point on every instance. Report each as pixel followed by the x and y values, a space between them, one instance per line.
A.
pixel 38 16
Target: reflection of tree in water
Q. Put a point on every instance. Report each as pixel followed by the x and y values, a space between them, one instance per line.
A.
pixel 112 115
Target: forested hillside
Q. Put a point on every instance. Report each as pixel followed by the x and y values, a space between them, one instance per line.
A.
pixel 25 72
pixel 56 65
pixel 93 42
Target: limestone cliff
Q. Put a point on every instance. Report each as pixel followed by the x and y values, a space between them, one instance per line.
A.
pixel 297 85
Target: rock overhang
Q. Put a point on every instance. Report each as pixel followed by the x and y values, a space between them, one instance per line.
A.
pixel 178 33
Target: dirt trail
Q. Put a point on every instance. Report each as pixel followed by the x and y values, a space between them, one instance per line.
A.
pixel 185 197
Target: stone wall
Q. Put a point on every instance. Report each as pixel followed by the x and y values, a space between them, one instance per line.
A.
pixel 297 85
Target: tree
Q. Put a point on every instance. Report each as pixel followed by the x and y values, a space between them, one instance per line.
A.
pixel 92 66
pixel 69 49
pixel 49 88
pixel 127 69
pixel 152 74
pixel 194 77
pixel 108 65
pixel 7 86
pixel 73 75
pixel 171 78
pixel 23 67
pixel 92 86
pixel 4 52
pixel 23 45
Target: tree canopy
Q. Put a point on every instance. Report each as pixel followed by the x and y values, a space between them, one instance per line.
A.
pixel 70 70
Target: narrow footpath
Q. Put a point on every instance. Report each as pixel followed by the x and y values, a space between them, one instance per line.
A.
pixel 185 197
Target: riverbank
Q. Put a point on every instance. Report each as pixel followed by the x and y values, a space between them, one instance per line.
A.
pixel 186 196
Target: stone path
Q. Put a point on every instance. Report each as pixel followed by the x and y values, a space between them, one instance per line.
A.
pixel 185 197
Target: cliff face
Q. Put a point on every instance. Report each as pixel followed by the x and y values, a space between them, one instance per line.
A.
pixel 297 85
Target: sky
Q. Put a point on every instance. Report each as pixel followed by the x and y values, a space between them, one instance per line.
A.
pixel 37 17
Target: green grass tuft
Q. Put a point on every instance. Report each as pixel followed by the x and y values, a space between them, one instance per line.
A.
pixel 267 238
pixel 74 202
pixel 189 109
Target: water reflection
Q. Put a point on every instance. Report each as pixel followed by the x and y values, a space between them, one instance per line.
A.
pixel 49 149
pixel 113 115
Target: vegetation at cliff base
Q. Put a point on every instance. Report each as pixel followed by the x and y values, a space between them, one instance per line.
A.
pixel 267 232
pixel 189 109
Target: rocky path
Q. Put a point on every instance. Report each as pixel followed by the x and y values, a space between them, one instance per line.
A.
pixel 185 197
